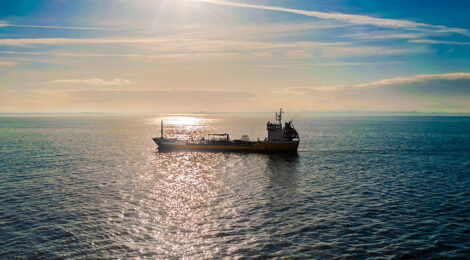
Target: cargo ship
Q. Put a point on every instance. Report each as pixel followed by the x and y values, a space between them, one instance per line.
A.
pixel 280 139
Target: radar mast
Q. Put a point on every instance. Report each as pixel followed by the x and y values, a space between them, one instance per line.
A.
pixel 279 117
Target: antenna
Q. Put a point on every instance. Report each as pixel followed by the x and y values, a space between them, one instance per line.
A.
pixel 279 117
pixel 161 130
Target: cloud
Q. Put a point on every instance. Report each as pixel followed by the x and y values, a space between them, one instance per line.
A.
pixel 290 64
pixel 395 82
pixel 440 42
pixel 224 31
pixel 427 93
pixel 440 92
pixel 348 18
pixel 363 51
pixel 97 82
pixel 57 41
pixel 173 43
pixel 54 27
pixel 190 93
pixel 163 56
pixel 382 36
pixel 133 100
pixel 199 48
pixel 7 64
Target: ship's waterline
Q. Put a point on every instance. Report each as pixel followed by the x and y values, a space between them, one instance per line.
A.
pixel 256 147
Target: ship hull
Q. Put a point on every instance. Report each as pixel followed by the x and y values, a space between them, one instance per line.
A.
pixel 261 147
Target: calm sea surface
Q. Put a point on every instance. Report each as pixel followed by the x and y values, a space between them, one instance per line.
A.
pixel 95 186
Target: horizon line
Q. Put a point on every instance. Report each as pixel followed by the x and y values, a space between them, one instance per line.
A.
pixel 346 112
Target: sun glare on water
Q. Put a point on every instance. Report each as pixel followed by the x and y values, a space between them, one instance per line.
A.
pixel 182 127
pixel 176 120
pixel 182 120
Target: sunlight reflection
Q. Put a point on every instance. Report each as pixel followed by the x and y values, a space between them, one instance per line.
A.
pixel 179 120
pixel 184 127
pixel 182 120
pixel 180 189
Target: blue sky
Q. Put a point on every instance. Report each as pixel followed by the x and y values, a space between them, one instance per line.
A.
pixel 221 55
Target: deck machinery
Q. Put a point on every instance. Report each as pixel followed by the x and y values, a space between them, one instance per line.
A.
pixel 280 139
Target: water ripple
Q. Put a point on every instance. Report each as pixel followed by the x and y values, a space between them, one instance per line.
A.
pixel 95 187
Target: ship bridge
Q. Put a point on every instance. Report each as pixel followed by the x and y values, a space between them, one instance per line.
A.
pixel 277 133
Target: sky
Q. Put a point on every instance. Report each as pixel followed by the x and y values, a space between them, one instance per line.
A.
pixel 153 56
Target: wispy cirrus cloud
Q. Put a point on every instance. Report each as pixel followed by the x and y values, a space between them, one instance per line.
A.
pixel 125 99
pixel 440 42
pixel 94 81
pixel 138 98
pixel 8 64
pixel 200 44
pixel 349 18
pixel 382 36
pixel 221 31
pixel 3 24
pixel 175 56
pixel 419 78
pixel 448 92
pixel 58 41
pixel 308 64
pixel 394 82
pixel 166 47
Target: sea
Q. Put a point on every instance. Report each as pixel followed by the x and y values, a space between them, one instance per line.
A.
pixel 77 186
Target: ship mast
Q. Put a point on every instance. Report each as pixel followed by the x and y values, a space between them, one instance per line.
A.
pixel 279 117
pixel 161 129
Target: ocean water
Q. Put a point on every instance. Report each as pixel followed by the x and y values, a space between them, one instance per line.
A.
pixel 95 186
